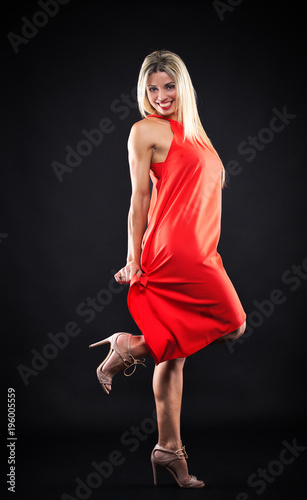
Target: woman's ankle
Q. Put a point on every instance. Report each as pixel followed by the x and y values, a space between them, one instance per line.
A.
pixel 173 445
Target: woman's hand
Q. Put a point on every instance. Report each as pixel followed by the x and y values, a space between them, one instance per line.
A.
pixel 124 275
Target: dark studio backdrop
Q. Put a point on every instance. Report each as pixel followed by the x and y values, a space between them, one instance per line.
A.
pixel 69 71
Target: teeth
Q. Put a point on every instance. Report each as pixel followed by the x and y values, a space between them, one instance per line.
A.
pixel 165 105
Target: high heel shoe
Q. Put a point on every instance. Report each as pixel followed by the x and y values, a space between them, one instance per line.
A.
pixel 126 359
pixel 180 454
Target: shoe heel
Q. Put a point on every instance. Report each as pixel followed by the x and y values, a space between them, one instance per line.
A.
pixel 154 472
pixel 101 342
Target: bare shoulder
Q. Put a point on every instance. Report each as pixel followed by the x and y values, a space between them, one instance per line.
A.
pixel 140 147
pixel 147 131
pixel 141 133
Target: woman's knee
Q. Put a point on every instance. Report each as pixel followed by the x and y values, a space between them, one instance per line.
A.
pixel 239 331
pixel 166 368
pixel 165 374
pixel 175 364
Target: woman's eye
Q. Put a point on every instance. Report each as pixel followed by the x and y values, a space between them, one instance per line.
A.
pixel 152 89
pixel 170 87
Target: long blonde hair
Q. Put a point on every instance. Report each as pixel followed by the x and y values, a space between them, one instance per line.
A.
pixel 172 64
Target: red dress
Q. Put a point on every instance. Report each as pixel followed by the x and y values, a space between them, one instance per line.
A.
pixel 184 299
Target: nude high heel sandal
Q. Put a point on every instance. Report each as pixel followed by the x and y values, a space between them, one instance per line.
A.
pixel 126 359
pixel 170 457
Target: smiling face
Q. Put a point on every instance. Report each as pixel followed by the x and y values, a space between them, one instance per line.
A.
pixel 162 95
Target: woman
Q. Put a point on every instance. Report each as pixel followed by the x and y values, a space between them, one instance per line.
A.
pixel 180 295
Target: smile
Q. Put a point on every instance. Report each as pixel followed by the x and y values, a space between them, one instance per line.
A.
pixel 165 105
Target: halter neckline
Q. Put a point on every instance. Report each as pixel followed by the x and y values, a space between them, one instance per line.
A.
pixel 163 117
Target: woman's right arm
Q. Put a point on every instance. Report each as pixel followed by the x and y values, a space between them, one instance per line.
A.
pixel 140 150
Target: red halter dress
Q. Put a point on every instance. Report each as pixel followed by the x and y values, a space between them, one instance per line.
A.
pixel 184 299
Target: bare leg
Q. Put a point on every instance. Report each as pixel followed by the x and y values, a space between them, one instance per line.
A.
pixel 167 387
pixel 231 336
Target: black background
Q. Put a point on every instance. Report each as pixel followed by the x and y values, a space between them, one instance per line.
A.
pixel 61 242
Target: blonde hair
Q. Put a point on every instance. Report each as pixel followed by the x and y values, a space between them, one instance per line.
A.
pixel 172 64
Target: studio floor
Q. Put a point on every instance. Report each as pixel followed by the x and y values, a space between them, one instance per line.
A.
pixel 236 462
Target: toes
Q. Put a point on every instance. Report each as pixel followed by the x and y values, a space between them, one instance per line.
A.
pixel 107 388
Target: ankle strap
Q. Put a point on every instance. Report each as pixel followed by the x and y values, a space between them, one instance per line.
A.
pixel 133 362
pixel 181 453
pixel 126 356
